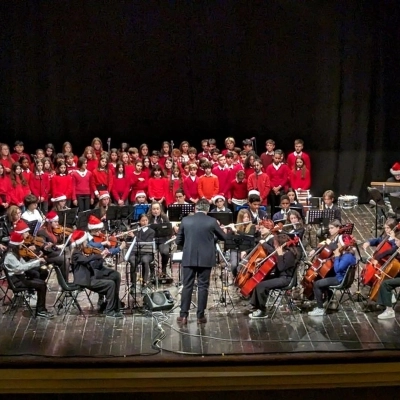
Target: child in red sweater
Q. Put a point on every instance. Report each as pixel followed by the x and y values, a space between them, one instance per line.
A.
pixel 158 186
pixel 175 182
pixel 300 176
pixel 190 185
pixel 208 185
pixel 61 182
pixel 39 184
pixel 298 152
pixel 139 181
pixel 19 187
pixel 121 185
pixel 102 178
pixel 81 193
pixel 237 193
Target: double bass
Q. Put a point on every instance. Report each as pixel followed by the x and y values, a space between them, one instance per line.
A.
pixel 261 268
pixel 368 273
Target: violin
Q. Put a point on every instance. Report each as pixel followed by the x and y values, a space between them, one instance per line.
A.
pixel 60 231
pixel 102 237
pixel 88 251
pixel 35 240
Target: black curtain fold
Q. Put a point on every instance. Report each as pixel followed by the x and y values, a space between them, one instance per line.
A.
pixel 326 72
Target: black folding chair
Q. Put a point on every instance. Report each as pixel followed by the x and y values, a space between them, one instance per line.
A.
pixel 344 288
pixel 284 293
pixel 20 297
pixel 68 296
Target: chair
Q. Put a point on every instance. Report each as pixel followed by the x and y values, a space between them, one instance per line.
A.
pixel 69 295
pixel 303 196
pixel 283 293
pixel 20 297
pixel 344 287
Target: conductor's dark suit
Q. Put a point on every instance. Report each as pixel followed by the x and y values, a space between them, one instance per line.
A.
pixel 197 236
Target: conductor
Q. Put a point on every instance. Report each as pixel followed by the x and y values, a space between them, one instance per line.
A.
pixel 197 236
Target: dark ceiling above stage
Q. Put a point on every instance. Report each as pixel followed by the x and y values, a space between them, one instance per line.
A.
pixel 187 70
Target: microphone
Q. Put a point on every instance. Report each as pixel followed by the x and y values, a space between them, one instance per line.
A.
pixel 33 155
pixel 109 141
pixel 252 138
pixel 172 143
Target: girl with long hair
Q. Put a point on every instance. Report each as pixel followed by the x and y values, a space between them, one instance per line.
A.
pixel 299 177
pixel 91 158
pixel 121 185
pixel 19 187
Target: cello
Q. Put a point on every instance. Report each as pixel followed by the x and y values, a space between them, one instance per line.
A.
pixel 369 272
pixel 262 268
pixel 389 270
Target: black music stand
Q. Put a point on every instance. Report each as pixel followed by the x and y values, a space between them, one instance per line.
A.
pixel 321 217
pixel 394 199
pixel 162 232
pixel 224 218
pixel 68 217
pixel 139 209
pixel 177 211
pixel 376 196
pixel 33 226
pixel 315 202
pixel 239 242
pixel 83 218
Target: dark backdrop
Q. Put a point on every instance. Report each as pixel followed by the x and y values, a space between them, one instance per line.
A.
pixel 324 71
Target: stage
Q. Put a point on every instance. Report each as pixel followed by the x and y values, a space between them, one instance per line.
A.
pixel 230 342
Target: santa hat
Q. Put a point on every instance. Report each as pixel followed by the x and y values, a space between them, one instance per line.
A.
pixel 78 237
pixel 218 196
pixel 94 223
pixel 140 193
pixel 254 192
pixel 103 195
pixel 51 216
pixel 395 170
pixel 16 239
pixel 267 223
pixel 58 197
pixel 21 227
pixel 346 240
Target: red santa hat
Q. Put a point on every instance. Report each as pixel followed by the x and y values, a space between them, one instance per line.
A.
pixel 103 194
pixel 52 216
pixel 58 197
pixel 21 227
pixel 346 240
pixel 217 197
pixel 94 223
pixel 140 193
pixel 395 170
pixel 78 237
pixel 254 192
pixel 16 239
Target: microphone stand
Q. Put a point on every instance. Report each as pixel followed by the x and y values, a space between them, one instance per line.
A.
pixel 359 296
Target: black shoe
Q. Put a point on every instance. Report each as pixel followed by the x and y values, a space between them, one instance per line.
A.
pixel 102 307
pixel 45 314
pixel 115 314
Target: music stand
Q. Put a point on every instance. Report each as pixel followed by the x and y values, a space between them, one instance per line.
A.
pixel 239 242
pixel 224 218
pixel 83 218
pixel 138 210
pixel 376 196
pixel 320 217
pixel 177 211
pixel 394 199
pixel 315 202
pixel 162 232
pixel 33 226
pixel 68 217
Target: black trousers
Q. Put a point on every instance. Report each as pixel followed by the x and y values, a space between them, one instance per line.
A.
pixel 38 284
pixel 164 251
pixel 385 291
pixel 37 273
pixel 260 293
pixel 83 201
pixel 107 288
pixel 203 283
pixel 145 259
pixel 105 273
pixel 274 200
pixel 321 286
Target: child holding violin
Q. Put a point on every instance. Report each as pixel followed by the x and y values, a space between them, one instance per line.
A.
pixel 286 258
pixel 344 257
pixel 98 240
pixel 17 268
pixel 85 267
pixel 334 234
pixel 53 237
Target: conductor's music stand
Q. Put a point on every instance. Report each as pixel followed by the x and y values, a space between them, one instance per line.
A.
pixel 224 218
pixel 83 218
pixel 177 211
pixel 321 217
pixel 376 196
pixel 68 217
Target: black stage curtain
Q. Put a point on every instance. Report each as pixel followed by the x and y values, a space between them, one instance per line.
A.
pixel 324 71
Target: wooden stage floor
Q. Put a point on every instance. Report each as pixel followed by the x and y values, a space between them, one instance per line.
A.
pixel 157 338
